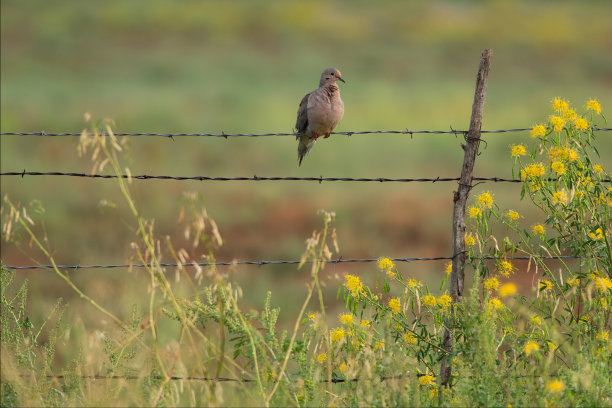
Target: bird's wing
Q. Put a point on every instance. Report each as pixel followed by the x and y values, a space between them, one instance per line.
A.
pixel 302 116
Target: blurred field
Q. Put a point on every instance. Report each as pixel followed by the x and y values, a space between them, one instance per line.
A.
pixel 243 67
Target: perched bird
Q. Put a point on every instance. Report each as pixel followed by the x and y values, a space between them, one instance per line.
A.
pixel 319 112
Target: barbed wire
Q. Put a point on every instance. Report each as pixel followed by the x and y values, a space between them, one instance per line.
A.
pixel 320 179
pixel 227 135
pixel 261 263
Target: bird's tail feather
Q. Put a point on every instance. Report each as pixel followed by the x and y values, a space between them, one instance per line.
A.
pixel 304 147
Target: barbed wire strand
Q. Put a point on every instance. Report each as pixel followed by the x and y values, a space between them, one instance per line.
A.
pixel 261 263
pixel 320 179
pixel 226 135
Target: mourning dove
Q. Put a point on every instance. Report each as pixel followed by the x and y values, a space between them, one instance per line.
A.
pixel 319 112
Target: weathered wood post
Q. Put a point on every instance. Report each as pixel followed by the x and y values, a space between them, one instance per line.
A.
pixel 460 199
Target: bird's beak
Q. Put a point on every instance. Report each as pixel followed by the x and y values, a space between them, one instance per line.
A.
pixel 340 79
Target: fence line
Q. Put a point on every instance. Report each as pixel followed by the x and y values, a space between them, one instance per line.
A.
pixel 261 263
pixel 226 135
pixel 320 179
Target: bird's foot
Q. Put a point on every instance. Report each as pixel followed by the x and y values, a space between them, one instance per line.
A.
pixel 315 135
pixel 327 134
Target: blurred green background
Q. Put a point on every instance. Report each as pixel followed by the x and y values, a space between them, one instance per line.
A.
pixel 233 66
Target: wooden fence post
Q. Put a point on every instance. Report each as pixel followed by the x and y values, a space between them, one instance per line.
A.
pixel 460 199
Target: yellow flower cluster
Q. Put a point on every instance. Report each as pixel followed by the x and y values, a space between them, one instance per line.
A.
pixel 603 284
pixel 337 334
pixel 449 268
pixel 598 234
pixel 538 131
pixel 474 212
pixel 531 347
pixel 444 301
pixel 505 268
pixel 385 264
pixel 558 167
pixel 429 300
pixel 538 229
pixel 507 289
pixel 495 304
pixel 573 281
pixel 533 170
pixel 394 305
pixel 557 122
pixel 512 215
pixel 353 284
pixel 581 124
pixel 485 200
pixel 321 358
pixel 545 285
pixel 535 321
pixel 594 106
pixel 427 380
pixel 563 153
pixel 409 338
pixel 491 284
pixel 518 150
pixel 560 197
pixel 346 319
pixel 470 240
pixel 555 386
pixel 559 105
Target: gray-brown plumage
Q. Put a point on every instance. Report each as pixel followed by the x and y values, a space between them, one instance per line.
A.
pixel 320 112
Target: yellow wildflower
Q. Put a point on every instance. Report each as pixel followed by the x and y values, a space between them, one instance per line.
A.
pixel 413 282
pixel 470 240
pixel 538 229
pixel 505 268
pixel 535 321
pixel 560 197
pixel 474 212
pixel 346 319
pixel 594 275
pixel 558 167
pixel 394 305
pixel 538 131
pixel 603 283
pixel 581 124
pixel 531 347
pixel 557 152
pixel 507 289
pixel 449 268
pixel 365 323
pixel 337 334
pixel 603 336
pixel 557 123
pixel 433 393
pixel 379 345
pixel 385 264
pixel 491 283
pixel 312 316
pixel 429 300
pixel 545 285
pixel 555 386
pixel 495 304
pixel 321 358
pixel 342 368
pixel 572 155
pixel 598 169
pixel 512 215
pixel 353 284
pixel 533 170
pixel 551 346
pixel 444 301
pixel 409 338
pixel 559 105
pixel 573 281
pixel 569 114
pixel 594 106
pixel 427 380
pixel 598 234
pixel 485 200
pixel 518 150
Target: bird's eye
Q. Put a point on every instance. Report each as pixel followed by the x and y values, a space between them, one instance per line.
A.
pixel 333 74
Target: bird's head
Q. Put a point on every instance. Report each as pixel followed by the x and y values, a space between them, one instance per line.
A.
pixel 330 76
